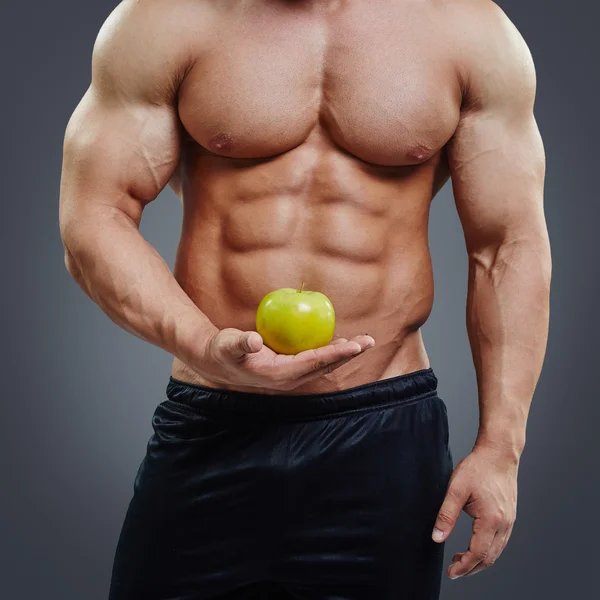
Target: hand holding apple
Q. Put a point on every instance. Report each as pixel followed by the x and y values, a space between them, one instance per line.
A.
pixel 243 359
pixel 240 358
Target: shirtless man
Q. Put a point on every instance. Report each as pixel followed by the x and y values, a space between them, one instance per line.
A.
pixel 306 140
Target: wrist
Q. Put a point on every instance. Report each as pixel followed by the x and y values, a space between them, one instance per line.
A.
pixel 504 449
pixel 192 340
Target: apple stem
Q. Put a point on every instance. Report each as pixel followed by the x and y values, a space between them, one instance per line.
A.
pixel 300 290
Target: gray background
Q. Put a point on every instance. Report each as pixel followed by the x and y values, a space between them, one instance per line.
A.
pixel 78 392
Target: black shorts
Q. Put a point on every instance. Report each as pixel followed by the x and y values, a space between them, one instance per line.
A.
pixel 328 496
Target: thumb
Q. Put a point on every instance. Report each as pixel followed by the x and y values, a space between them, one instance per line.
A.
pixel 253 341
pixel 234 343
pixel 448 514
pixel 247 342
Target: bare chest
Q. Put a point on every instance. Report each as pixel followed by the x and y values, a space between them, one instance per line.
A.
pixel 378 77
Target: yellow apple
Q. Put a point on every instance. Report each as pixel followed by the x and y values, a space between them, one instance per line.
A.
pixel 290 321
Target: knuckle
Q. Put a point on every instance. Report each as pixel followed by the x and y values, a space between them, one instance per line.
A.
pixel 455 492
pixel 317 361
pixel 445 516
pixel 318 364
pixel 480 555
pixel 497 518
pixel 488 561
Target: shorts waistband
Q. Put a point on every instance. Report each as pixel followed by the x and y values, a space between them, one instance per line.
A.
pixel 400 389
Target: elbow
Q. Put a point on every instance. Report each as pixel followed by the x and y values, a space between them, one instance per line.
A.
pixel 70 261
pixel 71 236
pixel 75 271
pixel 530 255
pixel 71 264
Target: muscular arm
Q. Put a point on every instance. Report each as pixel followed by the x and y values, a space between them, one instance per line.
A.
pixel 497 167
pixel 121 148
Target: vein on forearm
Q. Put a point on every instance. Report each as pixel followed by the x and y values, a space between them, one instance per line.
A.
pixel 117 268
pixel 507 323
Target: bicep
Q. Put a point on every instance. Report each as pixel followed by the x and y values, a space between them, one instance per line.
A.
pixel 497 169
pixel 122 142
pixel 118 156
pixel 496 156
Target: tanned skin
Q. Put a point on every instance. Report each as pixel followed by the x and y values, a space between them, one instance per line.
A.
pixel 306 140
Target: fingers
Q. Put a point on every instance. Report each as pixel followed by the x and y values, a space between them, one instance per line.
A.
pixel 494 552
pixel 496 549
pixel 485 532
pixel 319 373
pixel 313 361
pixel 456 498
pixel 482 553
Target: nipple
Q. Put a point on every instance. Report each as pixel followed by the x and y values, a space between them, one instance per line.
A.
pixel 221 142
pixel 419 153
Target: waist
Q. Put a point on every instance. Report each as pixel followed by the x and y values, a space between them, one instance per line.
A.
pixel 405 388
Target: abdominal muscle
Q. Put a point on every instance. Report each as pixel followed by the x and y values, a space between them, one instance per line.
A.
pixel 315 215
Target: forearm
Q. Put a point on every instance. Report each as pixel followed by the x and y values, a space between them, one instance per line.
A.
pixel 127 278
pixel 507 323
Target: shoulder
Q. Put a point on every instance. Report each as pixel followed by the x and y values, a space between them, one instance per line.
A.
pixel 486 14
pixel 492 57
pixel 153 42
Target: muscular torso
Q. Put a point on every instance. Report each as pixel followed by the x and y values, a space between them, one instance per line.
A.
pixel 313 146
